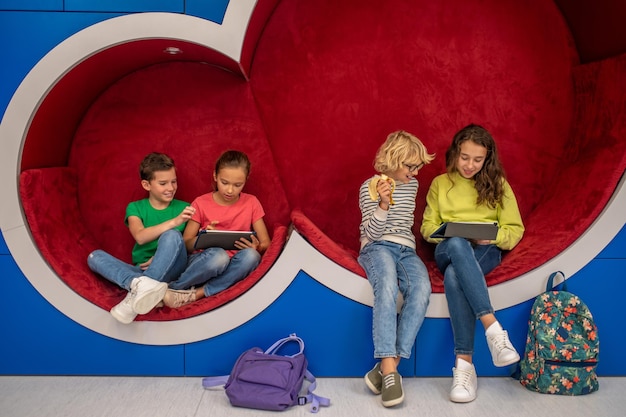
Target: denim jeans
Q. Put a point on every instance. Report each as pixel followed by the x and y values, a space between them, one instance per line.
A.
pixel 464 266
pixel 168 263
pixel 213 269
pixel 391 267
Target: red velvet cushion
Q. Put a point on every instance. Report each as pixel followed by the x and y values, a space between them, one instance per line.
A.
pixel 328 247
pixel 66 248
pixel 61 236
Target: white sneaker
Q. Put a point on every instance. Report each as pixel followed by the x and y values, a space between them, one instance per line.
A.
pixel 464 383
pixel 502 351
pixel 123 312
pixel 179 298
pixel 146 294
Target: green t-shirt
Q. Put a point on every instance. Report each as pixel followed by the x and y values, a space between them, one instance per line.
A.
pixel 151 217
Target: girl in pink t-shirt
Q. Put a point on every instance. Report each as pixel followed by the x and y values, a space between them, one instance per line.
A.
pixel 214 269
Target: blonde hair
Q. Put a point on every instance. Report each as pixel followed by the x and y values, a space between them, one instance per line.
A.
pixel 399 148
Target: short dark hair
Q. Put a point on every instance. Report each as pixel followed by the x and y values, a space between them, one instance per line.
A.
pixel 154 162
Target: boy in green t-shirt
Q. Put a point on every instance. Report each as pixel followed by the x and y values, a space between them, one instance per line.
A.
pixel 159 255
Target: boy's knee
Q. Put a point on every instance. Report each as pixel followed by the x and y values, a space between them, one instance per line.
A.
pixel 94 257
pixel 171 234
pixel 95 254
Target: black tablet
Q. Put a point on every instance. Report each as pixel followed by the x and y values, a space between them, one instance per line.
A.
pixel 224 239
pixel 468 230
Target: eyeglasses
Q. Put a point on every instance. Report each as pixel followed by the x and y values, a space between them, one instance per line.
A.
pixel 414 168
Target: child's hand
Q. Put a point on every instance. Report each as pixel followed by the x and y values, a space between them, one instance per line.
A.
pixel 384 191
pixel 185 215
pixel 212 225
pixel 482 242
pixel 146 264
pixel 244 243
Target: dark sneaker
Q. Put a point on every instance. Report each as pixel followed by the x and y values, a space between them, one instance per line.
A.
pixel 393 394
pixel 374 379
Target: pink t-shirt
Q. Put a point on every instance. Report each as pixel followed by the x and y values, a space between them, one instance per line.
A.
pixel 239 216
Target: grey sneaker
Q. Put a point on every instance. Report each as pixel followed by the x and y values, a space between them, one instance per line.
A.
pixel 146 294
pixel 374 379
pixel 179 298
pixel 123 312
pixel 393 394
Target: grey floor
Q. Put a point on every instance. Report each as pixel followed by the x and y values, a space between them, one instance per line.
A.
pixel 42 396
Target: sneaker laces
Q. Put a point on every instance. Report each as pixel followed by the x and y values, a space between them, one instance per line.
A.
pixel 181 298
pixel 131 295
pixel 389 381
pixel 462 377
pixel 501 341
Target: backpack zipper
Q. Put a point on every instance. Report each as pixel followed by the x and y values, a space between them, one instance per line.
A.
pixel 584 364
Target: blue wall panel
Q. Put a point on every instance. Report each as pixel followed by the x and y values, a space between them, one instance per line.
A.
pixel 211 10
pixel 28 36
pixel 175 6
pixel 4 250
pixel 600 284
pixel 39 340
pixel 31 5
pixel 617 248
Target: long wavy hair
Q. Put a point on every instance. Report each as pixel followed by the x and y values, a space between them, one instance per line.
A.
pixel 490 179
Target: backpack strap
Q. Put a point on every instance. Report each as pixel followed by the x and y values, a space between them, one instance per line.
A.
pixel 214 381
pixel 316 401
pixel 278 344
pixel 550 285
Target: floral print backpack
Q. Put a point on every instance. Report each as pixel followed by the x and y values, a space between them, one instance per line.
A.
pixel 562 346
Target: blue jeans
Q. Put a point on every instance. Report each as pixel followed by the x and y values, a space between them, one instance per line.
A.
pixel 168 263
pixel 213 268
pixel 464 266
pixel 391 267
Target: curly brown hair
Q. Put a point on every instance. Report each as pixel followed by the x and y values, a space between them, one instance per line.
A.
pixel 490 179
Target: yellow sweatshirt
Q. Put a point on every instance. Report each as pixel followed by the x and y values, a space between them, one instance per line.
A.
pixel 456 202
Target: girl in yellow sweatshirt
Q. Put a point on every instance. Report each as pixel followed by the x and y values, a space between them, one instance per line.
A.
pixel 474 189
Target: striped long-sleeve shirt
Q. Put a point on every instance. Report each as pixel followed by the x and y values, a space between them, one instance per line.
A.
pixel 394 225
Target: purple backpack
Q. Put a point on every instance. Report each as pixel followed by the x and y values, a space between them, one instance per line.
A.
pixel 267 381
